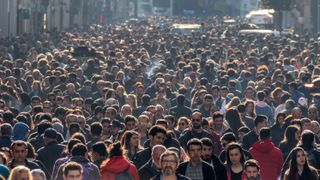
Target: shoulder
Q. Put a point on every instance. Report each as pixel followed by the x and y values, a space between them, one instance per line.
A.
pixel 206 165
pixel 181 177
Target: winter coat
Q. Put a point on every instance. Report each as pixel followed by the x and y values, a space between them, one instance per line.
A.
pixel 269 157
pixel 116 165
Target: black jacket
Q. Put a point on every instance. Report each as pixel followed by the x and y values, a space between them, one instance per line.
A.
pixel 179 177
pixel 189 134
pixel 218 167
pixel 49 154
pixel 146 172
pixel 249 139
pixel 142 157
pixel 29 164
pixel 5 141
pixel 180 110
pixel 207 170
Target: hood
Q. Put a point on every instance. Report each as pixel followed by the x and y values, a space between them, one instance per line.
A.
pixel 20 131
pixel 116 164
pixel 263 146
pixel 261 104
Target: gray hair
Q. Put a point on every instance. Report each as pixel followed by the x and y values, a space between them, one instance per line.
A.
pixel 39 172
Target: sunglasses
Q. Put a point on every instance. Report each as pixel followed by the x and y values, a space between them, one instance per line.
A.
pixel 196 120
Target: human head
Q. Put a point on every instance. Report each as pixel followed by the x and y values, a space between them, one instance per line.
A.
pixel 99 150
pixel 129 139
pixel 265 134
pixel 130 122
pixel 19 151
pixel 227 138
pixel 196 119
pixel 156 152
pixel 217 120
pixel 234 154
pixel 20 173
pixel 72 171
pixel 194 148
pixel 298 158
pixel 252 169
pixel 38 174
pixel 207 149
pixel 260 121
pixel 169 162
pixel 157 135
pixel 79 150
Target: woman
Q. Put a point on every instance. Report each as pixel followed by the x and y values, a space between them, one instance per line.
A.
pixel 117 164
pixel 121 95
pixel 299 167
pixel 132 101
pixel 20 173
pixel 278 129
pixel 130 143
pixel 290 141
pixel 183 124
pixel 36 90
pixel 235 162
pixel 234 120
pixel 249 108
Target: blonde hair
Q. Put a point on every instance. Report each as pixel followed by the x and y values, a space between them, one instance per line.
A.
pixel 17 171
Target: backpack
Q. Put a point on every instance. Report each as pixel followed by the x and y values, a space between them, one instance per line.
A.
pixel 124 175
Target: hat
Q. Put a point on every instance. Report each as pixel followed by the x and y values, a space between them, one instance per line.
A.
pixel 20 131
pixel 4 171
pixel 50 133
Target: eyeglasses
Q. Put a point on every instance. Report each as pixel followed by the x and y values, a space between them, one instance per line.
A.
pixel 169 161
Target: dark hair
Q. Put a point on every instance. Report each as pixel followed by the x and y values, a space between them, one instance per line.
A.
pixel 261 95
pixel 194 141
pixel 293 169
pixel 231 147
pixel 42 126
pixel 115 149
pixel 265 133
pixel 180 99
pixel 18 143
pixel 307 139
pixel 71 166
pixel 251 163
pixel 96 129
pixel 71 143
pixel 130 118
pixel 6 129
pixel 207 142
pixel 79 150
pixel 259 119
pixel 157 129
pixel 100 148
pixel 217 115
pixel 125 140
pixel 229 137
pixel 234 119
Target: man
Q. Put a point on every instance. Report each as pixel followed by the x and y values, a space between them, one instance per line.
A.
pixel 169 164
pixel 153 166
pixel 219 125
pixel 252 170
pixel 19 151
pixel 51 151
pixel 269 157
pixel 72 171
pixel 99 153
pixel 207 106
pixel 196 168
pixel 262 108
pixel 96 133
pixel 180 109
pixel 90 170
pixel 249 139
pixel 209 157
pixel 196 131
pixel 157 135
pixel 5 135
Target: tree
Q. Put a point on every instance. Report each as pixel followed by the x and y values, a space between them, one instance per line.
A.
pixel 279 6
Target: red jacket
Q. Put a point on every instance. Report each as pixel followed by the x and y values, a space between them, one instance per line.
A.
pixel 115 165
pixel 269 157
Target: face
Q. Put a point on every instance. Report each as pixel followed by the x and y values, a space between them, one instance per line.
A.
pixel 206 152
pixel 235 156
pixel 315 128
pixel 306 125
pixel 47 108
pixel 252 173
pixel 215 93
pixel 218 122
pixel 135 140
pixel 262 124
pixel 196 120
pixel 73 175
pixel 249 93
pixel 81 121
pixel 241 135
pixel 130 125
pixel 19 153
pixel 182 125
pixel 195 153
pixel 126 111
pixel 312 113
pixel 224 144
pixel 169 165
pixel 105 128
pixel 301 158
pixel 24 175
pixel 250 107
pixel 158 139
pixel 281 119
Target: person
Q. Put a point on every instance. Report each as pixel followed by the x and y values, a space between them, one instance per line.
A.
pixel 180 110
pixel 72 171
pixel 262 108
pixel 169 163
pixel 51 151
pixel 252 170
pixel 196 168
pixel 299 167
pixel 290 140
pixel 130 142
pixel 78 152
pixel 6 133
pixel 235 162
pixel 99 153
pixel 20 173
pixel 208 156
pixel 269 157
pixel 38 174
pixel 153 166
pixel 19 150
pixel 96 133
pixel 218 124
pixel 117 166
pixel 157 135
pixel 249 139
pixel 278 129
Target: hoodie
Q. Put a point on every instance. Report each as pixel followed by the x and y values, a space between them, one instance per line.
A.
pixel 262 108
pixel 269 157
pixel 116 165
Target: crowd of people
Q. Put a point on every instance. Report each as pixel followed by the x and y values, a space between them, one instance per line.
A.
pixel 137 101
